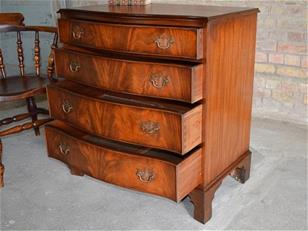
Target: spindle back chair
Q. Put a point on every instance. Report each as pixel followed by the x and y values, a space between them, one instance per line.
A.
pixel 24 86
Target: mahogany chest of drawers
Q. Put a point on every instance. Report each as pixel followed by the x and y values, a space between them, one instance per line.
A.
pixel 156 98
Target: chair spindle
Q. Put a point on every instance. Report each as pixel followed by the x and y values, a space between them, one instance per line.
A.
pixel 2 67
pixel 51 61
pixel 37 57
pixel 20 54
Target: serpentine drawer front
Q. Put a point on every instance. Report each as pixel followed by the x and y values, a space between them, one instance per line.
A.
pixel 128 166
pixel 171 127
pixel 155 98
pixel 161 41
pixel 169 81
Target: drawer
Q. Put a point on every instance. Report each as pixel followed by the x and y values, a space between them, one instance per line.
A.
pixel 129 166
pixel 170 81
pixel 170 126
pixel 159 41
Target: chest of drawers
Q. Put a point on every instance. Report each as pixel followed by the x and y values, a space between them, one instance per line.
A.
pixel 156 98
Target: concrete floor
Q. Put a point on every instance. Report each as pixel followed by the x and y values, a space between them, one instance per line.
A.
pixel 40 193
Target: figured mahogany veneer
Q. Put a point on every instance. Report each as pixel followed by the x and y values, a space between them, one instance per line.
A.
pixel 171 127
pixel 128 166
pixel 171 77
pixel 160 41
pixel 169 81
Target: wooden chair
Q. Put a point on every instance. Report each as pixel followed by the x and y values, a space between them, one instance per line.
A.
pixel 24 86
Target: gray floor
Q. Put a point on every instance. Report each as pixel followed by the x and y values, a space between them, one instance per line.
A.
pixel 40 193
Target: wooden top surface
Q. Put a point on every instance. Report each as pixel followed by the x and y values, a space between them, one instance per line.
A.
pixel 163 10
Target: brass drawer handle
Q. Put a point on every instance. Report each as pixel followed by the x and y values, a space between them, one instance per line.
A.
pixel 145 175
pixel 74 67
pixel 77 32
pixel 150 127
pixel 159 81
pixel 67 107
pixel 64 149
pixel 164 42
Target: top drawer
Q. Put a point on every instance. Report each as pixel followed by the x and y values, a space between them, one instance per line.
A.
pixel 159 41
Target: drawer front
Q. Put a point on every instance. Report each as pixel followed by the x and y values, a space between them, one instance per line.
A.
pixel 183 83
pixel 147 174
pixel 158 41
pixel 151 127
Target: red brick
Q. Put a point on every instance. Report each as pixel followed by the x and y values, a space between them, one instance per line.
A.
pixel 276 58
pixel 289 86
pixel 261 57
pixel 296 37
pixel 291 48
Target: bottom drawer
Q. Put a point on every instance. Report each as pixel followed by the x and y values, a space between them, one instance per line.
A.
pixel 129 166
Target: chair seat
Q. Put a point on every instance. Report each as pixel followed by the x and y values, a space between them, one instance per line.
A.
pixel 16 87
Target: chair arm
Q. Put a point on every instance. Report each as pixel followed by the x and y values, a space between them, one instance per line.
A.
pixel 49 29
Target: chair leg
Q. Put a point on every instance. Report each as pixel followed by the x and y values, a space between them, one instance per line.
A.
pixel 32 108
pixel 1 166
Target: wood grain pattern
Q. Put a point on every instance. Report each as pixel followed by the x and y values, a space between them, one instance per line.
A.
pixel 133 121
pixel 1 166
pixel 228 90
pixel 159 41
pixel 214 43
pixel 169 81
pixel 120 164
pixel 228 87
pixel 11 18
pixel 16 88
pixel 156 14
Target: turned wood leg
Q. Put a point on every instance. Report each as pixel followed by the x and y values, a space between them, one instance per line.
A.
pixel 242 172
pixel 1 166
pixel 32 108
pixel 202 200
pixel 76 172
